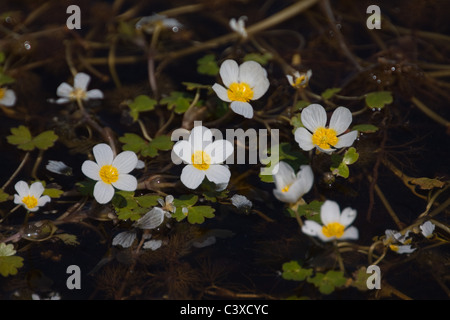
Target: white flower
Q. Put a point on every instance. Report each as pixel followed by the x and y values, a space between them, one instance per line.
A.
pixel 427 229
pixel 58 167
pixel 79 90
pixel 239 26
pixel 151 219
pixel 167 205
pixel 30 197
pixel 241 202
pixel 316 134
pixel 397 242
pixel 290 187
pixel 299 79
pixel 335 224
pixel 7 97
pixel 243 83
pixel 203 158
pixel 110 172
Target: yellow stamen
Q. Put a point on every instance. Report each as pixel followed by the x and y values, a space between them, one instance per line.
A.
pixel 286 188
pixel 393 247
pixel 30 201
pixel 333 229
pixel 299 82
pixel 109 174
pixel 2 93
pixel 201 160
pixel 325 138
pixel 77 94
pixel 240 92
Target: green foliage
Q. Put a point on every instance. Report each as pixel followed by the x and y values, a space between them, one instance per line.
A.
pixel 22 138
pixel 340 163
pixel 378 100
pixel 3 196
pixel 177 101
pixel 141 103
pixel 10 264
pixel 261 58
pixel 301 104
pixel 327 283
pixel 194 214
pixel 365 128
pixel 68 239
pixel 329 93
pixel 53 192
pixel 293 271
pixel 128 206
pixel 4 78
pixel 207 65
pixel 133 142
pixel 310 211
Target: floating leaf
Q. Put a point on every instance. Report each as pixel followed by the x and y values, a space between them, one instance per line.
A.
pixel 148 201
pixel 360 279
pixel 133 142
pixel 328 282
pixel 199 213
pixel 301 104
pixel 53 193
pixel 329 93
pixel 208 65
pixel 311 211
pixel 177 101
pixel 427 183
pixel 10 264
pixel 21 137
pixel 378 100
pixel 69 239
pixel 350 156
pixel 365 128
pixel 293 271
pixel 141 103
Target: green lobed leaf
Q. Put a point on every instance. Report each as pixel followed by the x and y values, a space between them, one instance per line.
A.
pixel 199 213
pixel 378 100
pixel 329 93
pixel 3 196
pixel 293 271
pixel 141 103
pixel 207 65
pixel 133 142
pixel 21 137
pixel 53 193
pixel 310 211
pixel 177 101
pixel 148 201
pixel 328 282
pixel 10 264
pixel 45 140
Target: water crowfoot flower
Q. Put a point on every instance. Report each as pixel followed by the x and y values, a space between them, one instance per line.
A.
pixel 299 79
pixel 335 224
pixel 204 158
pixel 427 229
pixel 30 196
pixel 397 242
pixel 243 83
pixel 315 133
pixel 110 172
pixel 239 26
pixel 79 91
pixel 290 187
pixel 7 97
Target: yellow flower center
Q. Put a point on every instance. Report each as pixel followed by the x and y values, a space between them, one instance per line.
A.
pixel 109 174
pixel 393 247
pixel 325 138
pixel 2 93
pixel 30 201
pixel 300 81
pixel 333 229
pixel 77 94
pixel 240 92
pixel 201 160
pixel 286 188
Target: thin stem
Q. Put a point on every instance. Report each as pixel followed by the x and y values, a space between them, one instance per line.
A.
pixel 24 160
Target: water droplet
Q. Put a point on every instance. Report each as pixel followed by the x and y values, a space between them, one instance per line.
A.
pixel 378 81
pixel 38 231
pixel 175 29
pixel 392 68
pixel 27 45
pixel 374 77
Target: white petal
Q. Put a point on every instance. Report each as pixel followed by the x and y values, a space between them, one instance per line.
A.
pixel 245 109
pixel 18 199
pixel 290 79
pixel 91 170
pixel 152 244
pixel 183 150
pixel 81 81
pixel 306 176
pixel 304 139
pixel 126 182
pixel 340 120
pixel 260 88
pixel 64 90
pixel 9 98
pixel 124 239
pixel 125 161
pixel 350 233
pixel 221 92
pixel 94 94
pixel 151 219
pixel 36 189
pixel 346 140
pixel 284 176
pixel 311 228
pixel 229 72
pixel 289 197
pixel 191 177
pixel 62 100
pixel 103 154
pixel 240 201
pixel 348 215
pixel 103 192
pixel 313 117
pixel 251 72
pixel 219 151
pixel 218 174
pixel 43 200
pixel 200 137
pixel 22 189
pixel 330 212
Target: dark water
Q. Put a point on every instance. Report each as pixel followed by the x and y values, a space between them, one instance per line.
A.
pixel 403 57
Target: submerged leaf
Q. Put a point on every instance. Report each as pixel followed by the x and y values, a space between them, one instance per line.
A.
pixel 208 65
pixel 293 271
pixel 378 100
pixel 10 264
